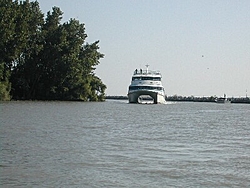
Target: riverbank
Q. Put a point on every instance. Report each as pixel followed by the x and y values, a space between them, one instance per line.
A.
pixel 245 100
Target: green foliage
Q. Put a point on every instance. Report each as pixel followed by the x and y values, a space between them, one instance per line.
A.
pixel 4 85
pixel 44 59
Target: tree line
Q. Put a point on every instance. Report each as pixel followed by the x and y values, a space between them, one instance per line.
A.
pixel 44 59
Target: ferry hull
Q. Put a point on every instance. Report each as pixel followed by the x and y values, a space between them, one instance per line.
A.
pixel 158 98
pixel 222 101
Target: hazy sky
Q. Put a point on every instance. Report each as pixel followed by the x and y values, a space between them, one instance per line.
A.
pixel 201 47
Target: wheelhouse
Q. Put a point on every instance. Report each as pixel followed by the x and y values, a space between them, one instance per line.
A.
pixel 145 88
pixel 146 78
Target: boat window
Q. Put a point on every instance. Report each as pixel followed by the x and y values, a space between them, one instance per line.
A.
pixel 145 87
pixel 147 78
pixel 136 78
pixel 152 78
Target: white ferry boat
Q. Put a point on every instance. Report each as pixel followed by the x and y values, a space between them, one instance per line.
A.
pixel 145 85
pixel 222 100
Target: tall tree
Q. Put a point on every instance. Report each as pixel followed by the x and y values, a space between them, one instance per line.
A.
pixel 8 15
pixel 26 68
pixel 19 28
pixel 46 59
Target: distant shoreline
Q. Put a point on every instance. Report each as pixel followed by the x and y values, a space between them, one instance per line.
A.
pixel 240 100
pixel 244 100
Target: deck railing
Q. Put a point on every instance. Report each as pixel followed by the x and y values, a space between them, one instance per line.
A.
pixel 146 72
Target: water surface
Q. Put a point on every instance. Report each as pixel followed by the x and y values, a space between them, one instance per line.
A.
pixel 115 144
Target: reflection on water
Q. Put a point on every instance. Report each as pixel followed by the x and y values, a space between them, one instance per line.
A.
pixel 115 144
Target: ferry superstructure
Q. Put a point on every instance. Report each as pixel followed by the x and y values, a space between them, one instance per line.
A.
pixel 222 99
pixel 146 83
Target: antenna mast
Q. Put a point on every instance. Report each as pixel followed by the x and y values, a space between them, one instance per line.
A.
pixel 147 68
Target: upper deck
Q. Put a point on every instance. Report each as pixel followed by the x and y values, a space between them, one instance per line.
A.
pixel 146 75
pixel 141 72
